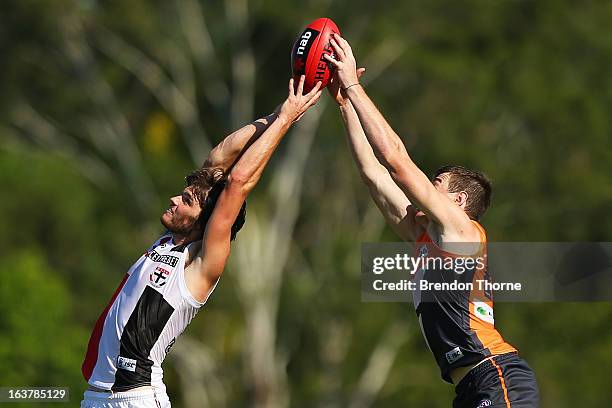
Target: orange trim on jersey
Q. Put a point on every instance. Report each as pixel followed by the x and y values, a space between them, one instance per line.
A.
pixel 503 383
pixel 426 239
pixel 487 334
pixel 485 331
pixel 483 233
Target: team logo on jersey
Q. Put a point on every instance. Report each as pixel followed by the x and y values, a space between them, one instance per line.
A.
pixel 125 363
pixel 454 355
pixel 484 312
pixel 159 277
pixel 485 403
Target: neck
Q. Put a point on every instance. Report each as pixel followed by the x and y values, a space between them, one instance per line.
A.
pixel 180 239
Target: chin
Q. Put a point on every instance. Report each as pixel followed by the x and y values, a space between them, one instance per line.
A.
pixel 173 227
pixel 165 220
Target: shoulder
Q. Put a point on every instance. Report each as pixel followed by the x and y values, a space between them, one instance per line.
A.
pixel 463 241
pixel 481 231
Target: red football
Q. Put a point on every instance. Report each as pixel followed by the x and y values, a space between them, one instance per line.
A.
pixel 307 55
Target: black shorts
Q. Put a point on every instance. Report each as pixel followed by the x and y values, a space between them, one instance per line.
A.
pixel 504 381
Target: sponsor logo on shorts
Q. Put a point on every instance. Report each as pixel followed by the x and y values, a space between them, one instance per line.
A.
pixel 125 363
pixel 454 355
pixel 484 312
pixel 485 403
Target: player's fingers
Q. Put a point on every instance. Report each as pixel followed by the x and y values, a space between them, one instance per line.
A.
pixel 331 60
pixel 291 88
pixel 300 89
pixel 313 100
pixel 346 47
pixel 314 90
pixel 337 45
pixel 317 97
pixel 337 49
pixel 342 42
pixel 360 72
pixel 299 117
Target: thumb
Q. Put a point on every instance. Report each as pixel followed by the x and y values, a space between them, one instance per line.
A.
pixel 360 72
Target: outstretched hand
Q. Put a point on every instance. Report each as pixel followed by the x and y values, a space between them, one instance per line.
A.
pixel 297 103
pixel 335 90
pixel 346 66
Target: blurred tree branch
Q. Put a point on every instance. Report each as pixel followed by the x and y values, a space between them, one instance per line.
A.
pixel 202 49
pixel 110 128
pixel 47 137
pixel 379 365
pixel 198 373
pixel 176 101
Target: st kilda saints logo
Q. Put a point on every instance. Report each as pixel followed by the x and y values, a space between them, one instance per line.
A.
pixel 159 277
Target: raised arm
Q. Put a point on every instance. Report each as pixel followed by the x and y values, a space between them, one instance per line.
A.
pixel 225 154
pixel 389 198
pixel 241 181
pixel 453 224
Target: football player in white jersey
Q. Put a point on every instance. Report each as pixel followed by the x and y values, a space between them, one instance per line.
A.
pixel 165 288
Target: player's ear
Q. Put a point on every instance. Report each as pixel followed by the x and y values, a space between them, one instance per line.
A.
pixel 461 198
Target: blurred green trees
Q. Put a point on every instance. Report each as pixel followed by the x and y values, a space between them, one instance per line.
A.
pixel 106 105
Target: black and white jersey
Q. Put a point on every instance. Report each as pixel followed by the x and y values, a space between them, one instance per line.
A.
pixel 149 310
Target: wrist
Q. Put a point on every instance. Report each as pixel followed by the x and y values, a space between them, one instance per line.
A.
pixel 351 85
pixel 283 119
pixel 353 92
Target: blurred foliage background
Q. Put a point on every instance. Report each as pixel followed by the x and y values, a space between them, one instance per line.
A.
pixel 106 105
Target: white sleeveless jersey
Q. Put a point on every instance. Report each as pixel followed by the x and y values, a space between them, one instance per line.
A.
pixel 149 310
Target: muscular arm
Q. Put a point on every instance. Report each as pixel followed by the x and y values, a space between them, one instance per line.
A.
pixel 225 154
pixel 242 179
pixel 389 198
pixel 451 222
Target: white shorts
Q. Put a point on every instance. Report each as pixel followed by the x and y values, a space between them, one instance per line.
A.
pixel 153 398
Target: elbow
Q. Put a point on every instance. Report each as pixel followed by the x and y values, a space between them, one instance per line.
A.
pixel 239 182
pixel 402 169
pixel 238 177
pixel 394 161
pixel 397 160
pixel 392 154
pixel 407 175
pixel 214 157
pixel 369 174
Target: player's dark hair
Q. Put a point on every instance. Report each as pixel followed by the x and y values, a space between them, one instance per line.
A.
pixel 206 185
pixel 474 183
